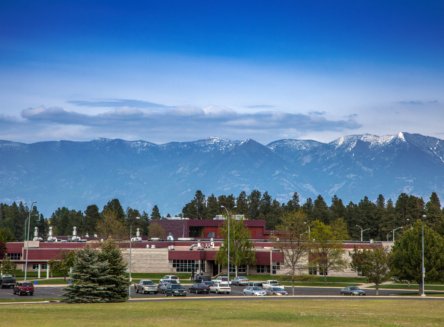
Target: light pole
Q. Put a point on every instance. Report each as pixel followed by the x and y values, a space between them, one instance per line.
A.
pixel 411 226
pixel 228 217
pixel 27 242
pixel 362 230
pixel 423 269
pixel 394 233
pixel 308 229
pixel 388 235
pixel 300 236
pixel 131 232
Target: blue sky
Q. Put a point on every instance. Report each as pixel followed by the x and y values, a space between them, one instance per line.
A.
pixel 166 71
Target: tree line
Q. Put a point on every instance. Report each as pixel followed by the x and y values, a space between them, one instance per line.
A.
pixel 112 220
pixel 381 216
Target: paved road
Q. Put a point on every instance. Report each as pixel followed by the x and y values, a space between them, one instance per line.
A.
pixel 52 292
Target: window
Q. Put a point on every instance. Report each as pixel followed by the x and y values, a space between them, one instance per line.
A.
pixel 188 265
pixel 44 266
pixel 322 271
pixel 15 256
pixel 240 269
pixel 35 266
pixel 312 270
pixel 263 269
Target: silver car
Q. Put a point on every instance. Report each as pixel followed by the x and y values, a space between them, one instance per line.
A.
pixel 276 291
pixel 254 290
pixel 146 286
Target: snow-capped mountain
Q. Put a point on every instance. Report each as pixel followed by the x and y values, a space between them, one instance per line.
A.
pixel 141 174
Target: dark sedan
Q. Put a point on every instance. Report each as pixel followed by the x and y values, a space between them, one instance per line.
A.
pixel 352 290
pixel 175 290
pixel 199 288
pixel 209 284
pixel 276 291
pixel 161 287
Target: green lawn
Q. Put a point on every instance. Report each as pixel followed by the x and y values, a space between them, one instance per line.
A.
pixel 27 300
pixel 406 287
pixel 230 313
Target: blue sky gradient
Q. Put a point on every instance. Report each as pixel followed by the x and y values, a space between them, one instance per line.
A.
pixel 333 67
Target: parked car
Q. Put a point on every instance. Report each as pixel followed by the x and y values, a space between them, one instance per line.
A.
pixel 199 288
pixel 209 284
pixel 170 277
pixel 250 283
pixel 175 290
pixel 222 279
pixel 24 288
pixel 254 290
pixel 7 281
pixel 221 287
pixel 270 283
pixel 240 280
pixel 146 286
pixel 352 290
pixel 202 278
pixel 161 287
pixel 276 291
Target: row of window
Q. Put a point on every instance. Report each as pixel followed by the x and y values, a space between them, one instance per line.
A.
pixel 44 266
pixel 15 256
pixel 240 269
pixel 188 265
pixel 314 271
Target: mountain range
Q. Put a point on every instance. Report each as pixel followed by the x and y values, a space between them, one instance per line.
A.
pixel 141 174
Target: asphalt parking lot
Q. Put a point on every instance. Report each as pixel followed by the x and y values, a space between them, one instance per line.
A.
pixel 55 292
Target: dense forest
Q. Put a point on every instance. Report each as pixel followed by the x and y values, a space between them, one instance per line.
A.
pixel 380 216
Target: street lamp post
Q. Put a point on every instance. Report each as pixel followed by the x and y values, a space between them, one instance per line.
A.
pixel 423 269
pixel 228 217
pixel 131 233
pixel 362 230
pixel 411 226
pixel 308 229
pixel 27 242
pixel 300 236
pixel 394 233
pixel 388 235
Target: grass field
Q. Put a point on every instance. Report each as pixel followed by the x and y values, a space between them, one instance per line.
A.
pixel 406 287
pixel 231 313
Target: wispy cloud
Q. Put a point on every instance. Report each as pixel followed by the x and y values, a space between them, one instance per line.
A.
pixel 177 124
pixel 318 113
pixel 116 103
pixel 418 102
pixel 260 106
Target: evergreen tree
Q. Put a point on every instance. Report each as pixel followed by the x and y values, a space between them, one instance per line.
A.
pixel 352 216
pixel 254 203
pixel 2 249
pixel 293 204
pixel 320 210
pixel 115 206
pixel 308 208
pixel 91 282
pixel 433 212
pixel 155 214
pixel 242 204
pixel 145 224
pixel 337 208
pixel 91 219
pixel 116 270
pixel 213 207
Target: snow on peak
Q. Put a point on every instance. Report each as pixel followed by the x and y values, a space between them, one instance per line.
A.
pixel 401 136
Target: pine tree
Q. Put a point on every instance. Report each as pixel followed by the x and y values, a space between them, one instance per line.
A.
pixel 91 282
pixel 213 208
pixel 320 210
pixel 111 253
pixel 254 200
pixel 114 205
pixel 242 204
pixel 155 214
pixel 92 217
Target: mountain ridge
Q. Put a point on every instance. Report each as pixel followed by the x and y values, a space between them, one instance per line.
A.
pixel 141 173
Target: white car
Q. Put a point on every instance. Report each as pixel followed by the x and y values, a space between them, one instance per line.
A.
pixel 168 278
pixel 221 287
pixel 221 279
pixel 271 283
pixel 254 290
